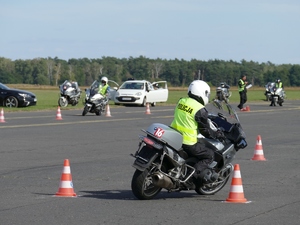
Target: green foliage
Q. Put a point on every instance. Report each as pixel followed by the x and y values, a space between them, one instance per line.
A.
pixel 178 73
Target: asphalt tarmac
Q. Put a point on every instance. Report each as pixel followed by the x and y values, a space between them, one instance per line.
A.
pixel 34 146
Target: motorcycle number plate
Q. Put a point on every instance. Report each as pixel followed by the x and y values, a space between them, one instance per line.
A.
pixel 159 132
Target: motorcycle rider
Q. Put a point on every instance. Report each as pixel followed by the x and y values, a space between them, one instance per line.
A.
pixel 190 118
pixel 104 87
pixel 278 84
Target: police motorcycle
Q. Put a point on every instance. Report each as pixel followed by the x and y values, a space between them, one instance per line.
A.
pixel 69 94
pixel 268 91
pixel 222 92
pixel 277 95
pixel 161 163
pixel 94 102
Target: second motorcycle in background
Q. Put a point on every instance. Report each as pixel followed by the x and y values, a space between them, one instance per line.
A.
pixel 69 94
pixel 94 101
pixel 223 93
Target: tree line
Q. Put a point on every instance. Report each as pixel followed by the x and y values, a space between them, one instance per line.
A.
pixel 178 73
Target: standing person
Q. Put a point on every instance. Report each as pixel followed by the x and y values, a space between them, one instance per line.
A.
pixel 190 118
pixel 242 91
pixel 104 87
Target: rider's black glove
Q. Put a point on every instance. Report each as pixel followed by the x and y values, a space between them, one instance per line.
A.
pixel 220 135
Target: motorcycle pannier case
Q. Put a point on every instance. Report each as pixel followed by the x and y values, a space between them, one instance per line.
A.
pixel 167 134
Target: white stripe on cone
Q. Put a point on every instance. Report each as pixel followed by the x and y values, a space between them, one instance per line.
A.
pixel 66 170
pixel 237 174
pixel 236 188
pixel 66 184
pixel 259 152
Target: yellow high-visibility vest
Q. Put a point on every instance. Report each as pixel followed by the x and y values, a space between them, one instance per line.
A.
pixel 184 119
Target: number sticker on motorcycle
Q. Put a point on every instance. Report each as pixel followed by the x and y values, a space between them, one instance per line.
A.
pixel 159 132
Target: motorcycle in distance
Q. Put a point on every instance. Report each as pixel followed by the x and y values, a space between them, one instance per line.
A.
pixel 69 94
pixel 276 94
pixel 161 163
pixel 223 93
pixel 94 102
pixel 268 92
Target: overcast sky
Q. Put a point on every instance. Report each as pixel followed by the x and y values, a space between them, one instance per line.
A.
pixel 257 30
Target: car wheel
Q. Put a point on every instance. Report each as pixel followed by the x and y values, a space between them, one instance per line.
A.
pixel 11 101
pixel 153 104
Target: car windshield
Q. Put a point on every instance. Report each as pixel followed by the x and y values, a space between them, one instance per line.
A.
pixel 132 85
pixel 2 86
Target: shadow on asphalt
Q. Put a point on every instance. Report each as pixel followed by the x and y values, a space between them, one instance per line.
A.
pixel 128 195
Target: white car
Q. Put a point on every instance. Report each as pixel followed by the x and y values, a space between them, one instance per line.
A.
pixel 140 92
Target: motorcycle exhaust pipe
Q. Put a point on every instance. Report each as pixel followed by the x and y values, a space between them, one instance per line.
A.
pixel 162 181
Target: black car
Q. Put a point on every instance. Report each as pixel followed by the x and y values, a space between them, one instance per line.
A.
pixel 16 98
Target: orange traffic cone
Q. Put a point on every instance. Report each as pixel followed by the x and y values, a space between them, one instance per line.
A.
pixel 148 109
pixel 258 152
pixel 245 109
pixel 66 184
pixel 2 120
pixel 236 194
pixel 107 111
pixel 58 114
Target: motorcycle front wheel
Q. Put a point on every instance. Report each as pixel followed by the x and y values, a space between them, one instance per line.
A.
pixel 85 110
pixel 219 96
pixel 62 102
pixel 142 185
pixel 212 188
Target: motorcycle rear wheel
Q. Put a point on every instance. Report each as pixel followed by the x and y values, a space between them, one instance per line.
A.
pixel 142 186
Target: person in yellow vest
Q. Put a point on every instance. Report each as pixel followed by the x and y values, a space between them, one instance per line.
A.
pixel 104 87
pixel 191 118
pixel 242 91
pixel 278 83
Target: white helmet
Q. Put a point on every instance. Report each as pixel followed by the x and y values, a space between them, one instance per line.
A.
pixel 201 90
pixel 104 79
